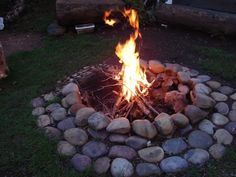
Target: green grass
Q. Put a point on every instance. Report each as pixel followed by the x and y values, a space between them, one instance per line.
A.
pixel 218 62
pixel 24 150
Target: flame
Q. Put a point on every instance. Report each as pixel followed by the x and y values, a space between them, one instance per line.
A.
pixel 134 80
pixel 107 21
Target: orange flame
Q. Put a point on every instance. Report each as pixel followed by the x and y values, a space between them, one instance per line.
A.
pixel 133 77
pixel 107 21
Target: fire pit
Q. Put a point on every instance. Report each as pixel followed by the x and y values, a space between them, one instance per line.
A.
pixel 156 117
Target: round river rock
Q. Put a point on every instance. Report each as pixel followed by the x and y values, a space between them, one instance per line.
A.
pixel 200 139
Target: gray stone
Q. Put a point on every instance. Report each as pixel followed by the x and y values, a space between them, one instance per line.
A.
pixel 65 149
pixel 100 135
pixel 122 151
pixel 38 111
pixel 52 133
pixel 117 138
pixel 219 119
pixel 136 142
pixel 174 146
pixel 214 84
pixel 147 169
pixel 183 88
pixel 222 136
pixel 173 164
pixel 222 108
pixel 233 96
pixel 119 125
pixel 52 107
pixel 202 88
pixel 71 87
pixel 43 121
pixel 197 156
pixel 164 124
pixel 186 130
pixel 37 102
pixel 121 168
pixel 193 73
pixel 156 66
pixel 94 149
pixel 72 98
pixel 226 90
pixel 204 78
pixel 180 120
pixel 219 96
pixel 234 106
pixel 151 154
pixel 59 114
pixel 207 126
pixel 81 162
pixel 82 116
pixel 98 121
pixel 76 136
pixel 183 77
pixel 102 165
pixel 194 113
pixel 217 151
pixel 66 124
pixel 49 97
pixel 232 115
pixel 1 23
pixel 202 101
pixel 174 67
pixel 231 128
pixel 55 30
pixel 199 139
pixel 144 128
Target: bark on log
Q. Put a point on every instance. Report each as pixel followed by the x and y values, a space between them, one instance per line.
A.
pixel 200 19
pixel 3 64
pixel 72 12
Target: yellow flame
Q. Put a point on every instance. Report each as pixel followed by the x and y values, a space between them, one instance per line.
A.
pixel 107 21
pixel 133 77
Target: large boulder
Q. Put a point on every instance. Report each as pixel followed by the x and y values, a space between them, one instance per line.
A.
pixel 72 12
pixel 3 64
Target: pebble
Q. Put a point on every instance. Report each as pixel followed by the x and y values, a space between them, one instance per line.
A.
pixel 226 90
pixel 219 96
pixel 217 151
pixel 147 169
pixel 76 136
pixel 71 87
pixel 219 119
pixel 234 106
pixel 38 111
pixel 151 154
pixel 174 146
pixel 73 98
pixel 136 142
pixel 180 120
pixel 202 100
pixel 52 107
pixel 233 96
pixel 81 162
pixel 194 113
pixel 222 136
pixel 119 125
pixel 94 149
pixel 52 133
pixel 199 139
pixel 183 89
pixel 193 73
pixel 197 156
pixel 204 78
pixel 164 124
pixel 156 66
pixel 100 135
pixel 173 164
pixel 98 121
pixel 174 67
pixel 207 126
pixel 144 128
pixel 183 77
pixel 231 127
pixel 75 107
pixel 102 165
pixel 232 115
pixel 117 138
pixel 82 116
pixel 222 108
pixel 66 124
pixel 121 167
pixel 59 114
pixel 202 88
pixel 122 151
pixel 43 121
pixel 186 130
pixel 49 97
pixel 37 102
pixel 213 84
pixel 65 149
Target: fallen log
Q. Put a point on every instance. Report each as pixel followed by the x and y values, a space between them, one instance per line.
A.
pixel 201 19
pixel 73 12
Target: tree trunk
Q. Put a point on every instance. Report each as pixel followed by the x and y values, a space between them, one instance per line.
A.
pixel 201 19
pixel 73 12
pixel 3 64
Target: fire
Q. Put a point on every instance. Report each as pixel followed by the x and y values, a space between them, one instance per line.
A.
pixel 134 80
pixel 110 22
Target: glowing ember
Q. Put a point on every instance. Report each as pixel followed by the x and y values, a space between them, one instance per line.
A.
pixel 133 78
pixel 110 22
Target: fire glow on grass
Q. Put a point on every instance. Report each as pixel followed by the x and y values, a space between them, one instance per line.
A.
pixel 133 78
